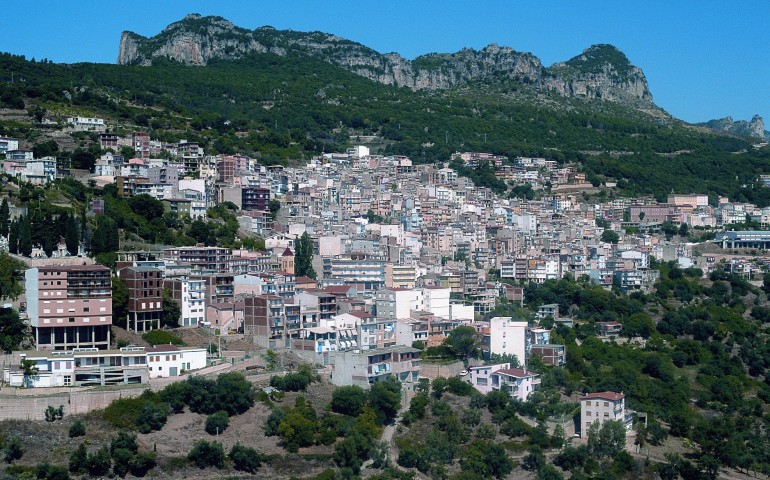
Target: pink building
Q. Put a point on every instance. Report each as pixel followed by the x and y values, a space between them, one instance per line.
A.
pixel 69 306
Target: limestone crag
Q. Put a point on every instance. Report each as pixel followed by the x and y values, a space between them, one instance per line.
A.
pixel 601 71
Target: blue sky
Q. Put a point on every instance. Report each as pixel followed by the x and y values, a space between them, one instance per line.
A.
pixel 703 59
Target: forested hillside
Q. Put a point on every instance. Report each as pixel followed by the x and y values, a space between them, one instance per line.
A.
pixel 281 108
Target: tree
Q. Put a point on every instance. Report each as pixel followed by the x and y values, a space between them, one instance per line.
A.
pixel 486 458
pixel 71 237
pixel 463 342
pixel 152 417
pixel 171 311
pixel 535 460
pixel 5 218
pixel 217 422
pixel 142 463
pixel 607 439
pixel 13 450
pixel 25 236
pixel 12 330
pixel 79 460
pixel 77 429
pixel 121 461
pixel 125 441
pixel 245 459
pixel 99 463
pixel 610 236
pixel 348 400
pixel 385 399
pixel 303 257
pixel 119 302
pixel 205 454
pixel 13 237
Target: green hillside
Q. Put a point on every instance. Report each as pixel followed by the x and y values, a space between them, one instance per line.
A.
pixel 282 108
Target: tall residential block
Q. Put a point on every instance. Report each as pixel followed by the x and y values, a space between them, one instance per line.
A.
pixel 69 306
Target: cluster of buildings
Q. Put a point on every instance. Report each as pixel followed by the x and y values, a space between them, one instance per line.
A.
pixel 404 254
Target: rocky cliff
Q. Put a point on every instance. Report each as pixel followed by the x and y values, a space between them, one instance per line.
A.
pixel 601 71
pixel 753 128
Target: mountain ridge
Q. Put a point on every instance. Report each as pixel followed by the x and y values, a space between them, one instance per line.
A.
pixel 599 72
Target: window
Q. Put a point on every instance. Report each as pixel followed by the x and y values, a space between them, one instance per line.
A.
pixel 67 380
pixel 86 309
pixel 606 404
pixel 173 357
pixel 588 414
pixel 72 319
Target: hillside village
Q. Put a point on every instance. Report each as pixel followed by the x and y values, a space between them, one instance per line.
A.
pixel 360 264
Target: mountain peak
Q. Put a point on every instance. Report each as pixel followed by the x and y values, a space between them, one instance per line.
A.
pixel 601 71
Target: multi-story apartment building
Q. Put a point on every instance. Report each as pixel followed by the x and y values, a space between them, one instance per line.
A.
pixel 190 295
pixel 356 269
pixel 369 366
pixel 516 382
pixel 212 259
pixel 600 407
pixel 69 306
pixel 264 318
pixel 145 297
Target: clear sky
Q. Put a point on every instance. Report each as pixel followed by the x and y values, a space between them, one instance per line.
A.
pixel 703 59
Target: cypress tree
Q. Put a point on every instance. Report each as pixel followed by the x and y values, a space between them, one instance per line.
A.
pixel 25 236
pixel 71 235
pixel 5 218
pixel 13 237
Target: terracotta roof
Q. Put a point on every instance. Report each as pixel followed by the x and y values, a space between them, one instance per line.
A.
pixel 287 253
pixel 360 314
pixel 304 279
pixel 604 395
pixel 337 289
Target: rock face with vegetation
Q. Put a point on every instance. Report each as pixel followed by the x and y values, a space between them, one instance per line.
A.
pixel 753 128
pixel 600 72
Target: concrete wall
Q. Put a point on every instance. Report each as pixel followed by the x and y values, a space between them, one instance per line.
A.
pixel 32 407
pixel 433 370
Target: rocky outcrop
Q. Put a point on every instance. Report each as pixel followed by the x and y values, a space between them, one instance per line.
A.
pixel 754 128
pixel 600 72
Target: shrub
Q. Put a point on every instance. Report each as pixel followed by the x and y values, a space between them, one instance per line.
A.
pixel 99 463
pixel 79 460
pixel 125 441
pixel 274 421
pixel 77 429
pixel 205 454
pixel 121 459
pixel 142 463
pixel 152 417
pixel 161 337
pixel 244 459
pixel 52 413
pixel 13 450
pixel 348 400
pixel 217 422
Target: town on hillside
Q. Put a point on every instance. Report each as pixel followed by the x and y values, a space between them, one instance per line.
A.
pixel 370 268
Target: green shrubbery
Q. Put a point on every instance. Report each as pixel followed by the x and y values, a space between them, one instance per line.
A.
pixel 230 393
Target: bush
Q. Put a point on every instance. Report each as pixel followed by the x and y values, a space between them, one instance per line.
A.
pixel 244 459
pixel 161 337
pixel 51 472
pixel 77 429
pixel 274 421
pixel 99 463
pixel 151 418
pixel 348 400
pixel 217 422
pixel 142 463
pixel 121 459
pixel 13 450
pixel 207 454
pixel 52 413
pixel 79 460
pixel 125 441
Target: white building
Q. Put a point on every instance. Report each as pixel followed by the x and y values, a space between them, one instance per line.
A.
pixel 600 407
pixel 87 123
pixel 172 361
pixel 507 337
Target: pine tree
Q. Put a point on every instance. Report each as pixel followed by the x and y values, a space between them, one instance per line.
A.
pixel 25 236
pixel 5 218
pixel 13 237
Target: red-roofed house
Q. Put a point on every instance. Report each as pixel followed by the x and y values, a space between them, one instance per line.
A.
pixel 600 407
